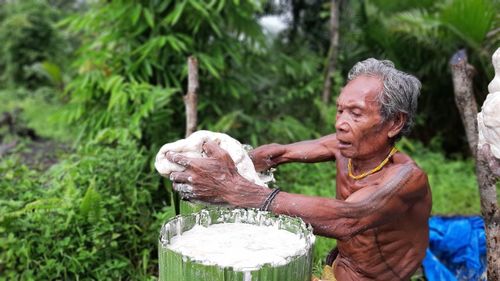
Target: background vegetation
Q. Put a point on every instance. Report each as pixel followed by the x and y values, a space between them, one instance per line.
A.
pixel 90 90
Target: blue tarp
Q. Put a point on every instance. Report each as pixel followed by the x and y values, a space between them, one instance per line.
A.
pixel 457 249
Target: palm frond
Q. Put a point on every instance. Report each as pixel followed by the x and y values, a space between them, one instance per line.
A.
pixel 417 25
pixel 469 19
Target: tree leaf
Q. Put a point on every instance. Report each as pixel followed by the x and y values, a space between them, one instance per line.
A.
pixel 173 17
pixel 196 4
pixel 90 207
pixel 149 18
pixel 136 14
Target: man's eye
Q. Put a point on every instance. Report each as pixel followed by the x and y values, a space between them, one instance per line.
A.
pixel 356 114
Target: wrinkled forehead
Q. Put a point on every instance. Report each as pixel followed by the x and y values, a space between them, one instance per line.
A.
pixel 362 91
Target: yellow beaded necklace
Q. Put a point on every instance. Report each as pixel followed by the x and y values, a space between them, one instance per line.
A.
pixel 376 169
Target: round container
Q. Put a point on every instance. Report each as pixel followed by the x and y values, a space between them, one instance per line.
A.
pixel 176 267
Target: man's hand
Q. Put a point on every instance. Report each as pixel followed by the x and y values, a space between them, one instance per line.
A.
pixel 208 179
pixel 267 156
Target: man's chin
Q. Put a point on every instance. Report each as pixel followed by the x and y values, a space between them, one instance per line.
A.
pixel 347 153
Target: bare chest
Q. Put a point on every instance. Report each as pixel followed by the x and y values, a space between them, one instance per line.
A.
pixel 346 186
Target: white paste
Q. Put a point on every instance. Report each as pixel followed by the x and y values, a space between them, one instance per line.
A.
pixel 488 120
pixel 494 85
pixel 192 147
pixel 247 276
pixel 244 247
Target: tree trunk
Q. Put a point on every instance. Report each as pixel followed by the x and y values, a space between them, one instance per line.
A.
pixel 466 103
pixel 191 98
pixel 490 211
pixel 464 96
pixel 332 51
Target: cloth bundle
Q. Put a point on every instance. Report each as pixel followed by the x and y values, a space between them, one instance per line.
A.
pixel 192 147
pixel 488 120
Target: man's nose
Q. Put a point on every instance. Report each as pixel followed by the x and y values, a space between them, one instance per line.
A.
pixel 341 124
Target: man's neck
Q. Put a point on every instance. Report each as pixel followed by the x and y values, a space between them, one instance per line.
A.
pixel 365 164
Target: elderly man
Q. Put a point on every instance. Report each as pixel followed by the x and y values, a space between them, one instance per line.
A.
pixel 383 199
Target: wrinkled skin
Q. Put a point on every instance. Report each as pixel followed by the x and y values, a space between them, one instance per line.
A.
pixel 265 156
pixel 380 221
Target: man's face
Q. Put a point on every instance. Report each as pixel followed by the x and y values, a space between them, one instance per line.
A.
pixel 360 130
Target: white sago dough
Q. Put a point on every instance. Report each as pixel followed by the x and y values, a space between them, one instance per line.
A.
pixel 488 120
pixel 494 85
pixel 238 245
pixel 192 147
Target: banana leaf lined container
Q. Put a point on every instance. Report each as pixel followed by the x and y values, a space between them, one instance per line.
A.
pixel 187 207
pixel 176 267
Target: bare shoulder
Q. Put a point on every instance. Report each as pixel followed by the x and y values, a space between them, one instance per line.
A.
pixel 413 179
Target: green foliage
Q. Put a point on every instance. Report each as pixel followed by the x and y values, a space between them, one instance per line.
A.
pixel 28 37
pixel 90 207
pixel 449 26
pixel 38 109
pixel 49 71
pixel 133 67
pixel 270 110
pixel 243 86
pixel 316 179
pixel 91 217
pixel 470 20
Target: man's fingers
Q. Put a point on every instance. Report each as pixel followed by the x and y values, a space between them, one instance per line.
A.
pixel 182 187
pixel 181 177
pixel 251 154
pixel 212 149
pixel 185 190
pixel 178 158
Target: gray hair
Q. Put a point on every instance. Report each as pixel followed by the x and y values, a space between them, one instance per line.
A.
pixel 400 92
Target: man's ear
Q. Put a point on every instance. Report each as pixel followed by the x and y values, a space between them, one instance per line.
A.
pixel 397 124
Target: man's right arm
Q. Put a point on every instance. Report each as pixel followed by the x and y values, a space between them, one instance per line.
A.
pixel 369 207
pixel 310 151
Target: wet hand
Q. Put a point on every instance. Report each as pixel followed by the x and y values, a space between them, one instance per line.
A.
pixel 267 156
pixel 209 179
